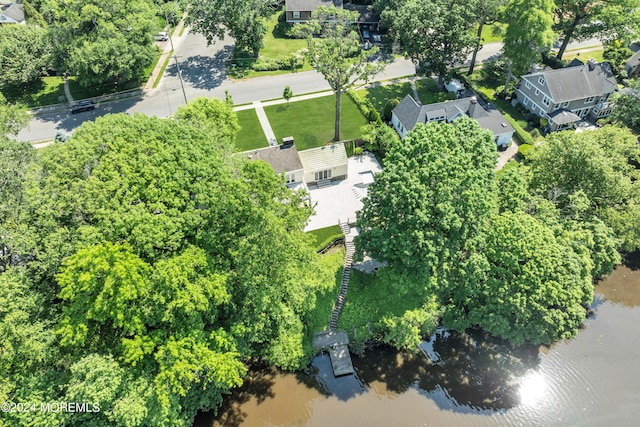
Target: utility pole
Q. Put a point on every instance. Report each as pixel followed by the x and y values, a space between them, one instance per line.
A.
pixel 176 58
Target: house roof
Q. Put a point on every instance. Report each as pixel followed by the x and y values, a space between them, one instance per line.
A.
pixel 633 62
pixel 325 157
pixel 13 11
pixel 568 84
pixel 281 158
pixel 410 113
pixel 309 5
pixel 562 117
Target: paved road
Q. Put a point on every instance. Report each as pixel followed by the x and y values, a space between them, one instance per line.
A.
pixel 204 74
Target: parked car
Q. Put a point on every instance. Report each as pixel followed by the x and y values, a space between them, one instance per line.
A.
pixel 376 39
pixel 81 106
pixel 162 36
pixel 365 34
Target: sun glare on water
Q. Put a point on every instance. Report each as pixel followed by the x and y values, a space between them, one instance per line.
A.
pixel 532 388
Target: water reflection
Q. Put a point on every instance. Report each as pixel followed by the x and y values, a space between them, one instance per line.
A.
pixel 532 388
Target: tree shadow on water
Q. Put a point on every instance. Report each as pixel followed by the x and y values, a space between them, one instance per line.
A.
pixel 258 385
pixel 468 372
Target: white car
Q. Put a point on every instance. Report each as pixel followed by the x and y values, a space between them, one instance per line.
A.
pixel 162 36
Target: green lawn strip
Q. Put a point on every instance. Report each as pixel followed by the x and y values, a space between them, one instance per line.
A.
pixel 379 95
pixel 162 70
pixel 250 135
pixel 324 236
pixel 428 93
pixel 311 122
pixel 371 298
pixel 238 73
pixel 148 70
pixel 48 91
pixel 584 56
pixel 331 269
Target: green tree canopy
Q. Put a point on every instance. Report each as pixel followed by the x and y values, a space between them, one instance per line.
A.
pixel 25 54
pixel 244 20
pixel 601 165
pixel 12 118
pixel 627 109
pixel 434 34
pixel 534 288
pixel 335 51
pixel 529 31
pixel 432 198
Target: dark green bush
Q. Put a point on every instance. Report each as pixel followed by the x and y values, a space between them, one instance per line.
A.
pixel 388 108
pixel 524 150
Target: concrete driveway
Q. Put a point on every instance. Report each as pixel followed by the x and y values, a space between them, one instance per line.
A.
pixel 341 200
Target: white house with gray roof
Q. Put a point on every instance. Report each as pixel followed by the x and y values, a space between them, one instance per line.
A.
pixel 409 113
pixel 567 95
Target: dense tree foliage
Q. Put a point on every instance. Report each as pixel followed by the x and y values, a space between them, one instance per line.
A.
pixel 432 198
pixel 627 110
pixel 12 118
pixel 434 34
pixel 102 42
pixel 335 51
pixel 244 20
pixel 24 54
pixel 379 138
pixel 601 165
pixel 528 33
pixel 146 263
pixel 486 12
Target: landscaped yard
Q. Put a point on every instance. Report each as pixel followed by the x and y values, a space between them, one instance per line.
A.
pixel 311 122
pixel 379 95
pixel 250 135
pixel 487 32
pixel 324 236
pixel 584 56
pixel 49 91
pixel 428 93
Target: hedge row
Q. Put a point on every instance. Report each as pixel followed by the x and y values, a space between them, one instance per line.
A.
pixel 367 109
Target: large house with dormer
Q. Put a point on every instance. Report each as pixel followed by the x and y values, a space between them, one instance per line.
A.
pixel 568 95
pixel 409 113
pixel 12 13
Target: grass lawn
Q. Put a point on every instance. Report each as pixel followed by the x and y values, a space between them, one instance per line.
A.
pixel 584 56
pixel 428 93
pixel 487 32
pixel 50 90
pixel 250 135
pixel 379 95
pixel 324 236
pixel 311 122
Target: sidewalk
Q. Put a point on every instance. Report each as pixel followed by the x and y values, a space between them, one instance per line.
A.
pixel 169 45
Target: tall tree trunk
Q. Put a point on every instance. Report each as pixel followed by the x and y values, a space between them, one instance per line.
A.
pixel 509 77
pixel 476 49
pixel 336 136
pixel 567 37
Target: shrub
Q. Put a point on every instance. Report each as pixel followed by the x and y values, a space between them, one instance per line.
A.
pixel 450 96
pixel 535 134
pixel 350 147
pixel 388 108
pixel 552 61
pixel 495 71
pixel 524 150
pixel 357 151
pixel 366 108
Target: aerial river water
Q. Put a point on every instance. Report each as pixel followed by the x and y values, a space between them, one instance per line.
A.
pixel 467 379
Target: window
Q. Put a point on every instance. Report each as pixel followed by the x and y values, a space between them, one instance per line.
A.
pixel 545 101
pixel 541 80
pixel 526 101
pixel 555 107
pixel 290 177
pixel 537 91
pixel 296 15
pixel 533 107
pixel 565 104
pixel 326 174
pixel 527 84
pixel 589 100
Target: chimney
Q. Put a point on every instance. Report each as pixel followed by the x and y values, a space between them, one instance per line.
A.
pixel 473 104
pixel 592 64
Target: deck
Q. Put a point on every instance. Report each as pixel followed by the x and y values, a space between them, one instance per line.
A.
pixel 338 344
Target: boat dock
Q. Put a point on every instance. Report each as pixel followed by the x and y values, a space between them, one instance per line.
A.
pixel 338 344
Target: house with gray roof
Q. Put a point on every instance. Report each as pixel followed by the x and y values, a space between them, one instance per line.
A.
pixel 300 10
pixel 12 13
pixel 409 113
pixel 567 95
pixel 284 160
pixel 632 66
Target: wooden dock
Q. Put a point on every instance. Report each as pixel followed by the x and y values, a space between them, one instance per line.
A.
pixel 338 344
